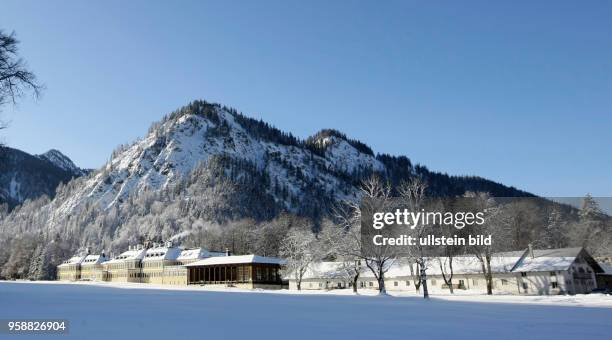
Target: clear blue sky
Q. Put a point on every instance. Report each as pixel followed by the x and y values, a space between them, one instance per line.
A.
pixel 519 92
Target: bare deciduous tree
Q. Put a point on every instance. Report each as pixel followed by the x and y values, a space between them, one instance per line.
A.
pixel 15 78
pixel 498 222
pixel 377 258
pixel 413 194
pixel 344 241
pixel 300 250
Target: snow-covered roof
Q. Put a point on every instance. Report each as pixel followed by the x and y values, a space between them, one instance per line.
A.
pixel 94 259
pixel 161 253
pixel 461 265
pixel 326 270
pixel 607 269
pixel 134 254
pixel 73 260
pixel 508 262
pixel 236 259
pixel 548 260
pixel 197 253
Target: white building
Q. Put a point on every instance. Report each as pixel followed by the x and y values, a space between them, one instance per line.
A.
pixel 554 271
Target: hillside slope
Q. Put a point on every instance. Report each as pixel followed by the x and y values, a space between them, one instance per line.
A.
pixel 201 167
pixel 23 176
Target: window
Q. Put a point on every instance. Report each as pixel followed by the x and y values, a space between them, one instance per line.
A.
pixel 474 282
pixel 504 282
pixel 523 274
pixel 395 283
pixel 320 284
pixel 554 284
pixel 525 287
pixel 407 283
pixel 553 274
pixel 433 282
pixel 461 283
pixel 371 284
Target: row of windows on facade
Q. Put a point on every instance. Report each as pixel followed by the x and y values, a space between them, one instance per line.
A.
pixel 432 282
pixel 142 275
pixel 242 274
pixel 460 283
pixel 147 264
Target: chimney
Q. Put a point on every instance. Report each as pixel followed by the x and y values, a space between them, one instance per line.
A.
pixel 530 247
pixel 227 252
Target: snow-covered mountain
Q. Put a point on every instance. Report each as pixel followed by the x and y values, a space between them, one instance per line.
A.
pixel 205 175
pixel 299 176
pixel 326 167
pixel 62 161
pixel 202 170
pixel 23 176
pixel 174 147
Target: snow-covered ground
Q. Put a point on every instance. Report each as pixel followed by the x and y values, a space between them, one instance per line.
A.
pixel 119 311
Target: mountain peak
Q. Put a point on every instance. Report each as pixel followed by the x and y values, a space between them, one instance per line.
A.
pixel 24 176
pixel 62 161
pixel 327 137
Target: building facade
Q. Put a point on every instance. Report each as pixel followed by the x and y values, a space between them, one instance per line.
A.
pixel 243 271
pixel 70 270
pixel 155 260
pixel 156 264
pixel 127 267
pixel 92 268
pixel 530 272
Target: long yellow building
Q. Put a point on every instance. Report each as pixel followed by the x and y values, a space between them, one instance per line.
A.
pixel 168 264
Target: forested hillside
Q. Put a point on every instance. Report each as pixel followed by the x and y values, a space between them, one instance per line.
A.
pixel 202 171
pixel 23 176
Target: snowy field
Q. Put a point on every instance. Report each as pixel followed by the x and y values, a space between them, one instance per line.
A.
pixel 111 311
